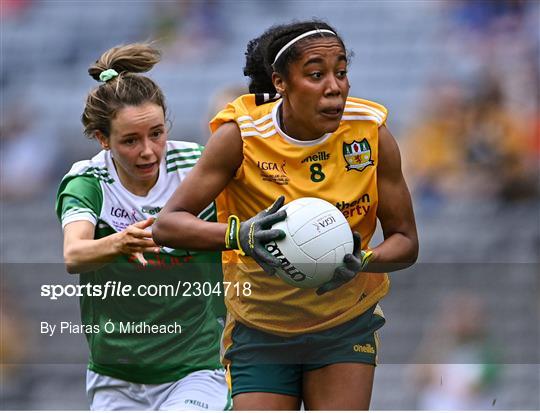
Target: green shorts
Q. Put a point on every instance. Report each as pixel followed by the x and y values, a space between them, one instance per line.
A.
pixel 262 362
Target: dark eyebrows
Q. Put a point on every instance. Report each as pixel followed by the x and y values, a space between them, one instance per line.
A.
pixel 134 134
pixel 342 58
pixel 316 60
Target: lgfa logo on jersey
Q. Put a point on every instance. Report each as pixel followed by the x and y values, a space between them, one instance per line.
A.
pixel 273 172
pixel 357 155
pixel 120 212
pixel 272 166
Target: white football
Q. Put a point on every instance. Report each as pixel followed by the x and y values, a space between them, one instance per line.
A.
pixel 317 237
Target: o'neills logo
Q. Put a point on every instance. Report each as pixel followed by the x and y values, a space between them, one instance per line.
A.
pixel 317 157
pixel 286 266
pixel 364 348
pixel 152 210
pixel 197 403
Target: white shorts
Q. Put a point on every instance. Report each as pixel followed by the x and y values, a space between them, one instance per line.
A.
pixel 200 390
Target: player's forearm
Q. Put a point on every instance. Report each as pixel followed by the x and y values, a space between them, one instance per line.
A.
pixel 183 230
pixel 396 252
pixel 88 254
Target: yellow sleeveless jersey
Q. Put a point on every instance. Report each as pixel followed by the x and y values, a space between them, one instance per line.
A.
pixel 340 167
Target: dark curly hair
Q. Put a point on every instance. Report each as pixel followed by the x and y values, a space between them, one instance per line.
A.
pixel 262 51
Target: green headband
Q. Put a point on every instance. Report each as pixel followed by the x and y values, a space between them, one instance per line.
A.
pixel 108 75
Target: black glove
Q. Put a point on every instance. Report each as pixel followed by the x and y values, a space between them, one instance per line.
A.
pixel 354 263
pixel 251 236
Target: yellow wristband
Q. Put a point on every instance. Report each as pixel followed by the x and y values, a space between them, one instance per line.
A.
pixel 232 233
pixel 367 255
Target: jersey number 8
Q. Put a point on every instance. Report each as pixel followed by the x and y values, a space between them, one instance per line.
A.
pixel 317 175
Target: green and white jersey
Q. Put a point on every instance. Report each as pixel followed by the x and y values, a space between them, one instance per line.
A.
pixel 162 294
pixel 113 205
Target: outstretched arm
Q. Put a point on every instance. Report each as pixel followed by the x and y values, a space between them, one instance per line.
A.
pixel 84 253
pixel 177 225
pixel 395 212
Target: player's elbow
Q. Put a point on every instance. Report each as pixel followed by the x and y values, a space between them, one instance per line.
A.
pixel 159 233
pixel 69 262
pixel 408 251
pixel 72 269
pixel 413 251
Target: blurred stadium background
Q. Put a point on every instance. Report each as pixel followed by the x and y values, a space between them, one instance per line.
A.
pixel 461 81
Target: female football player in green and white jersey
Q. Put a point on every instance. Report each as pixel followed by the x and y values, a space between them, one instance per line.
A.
pixel 149 313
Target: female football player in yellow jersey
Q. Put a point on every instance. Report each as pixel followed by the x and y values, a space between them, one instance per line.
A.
pixel 298 134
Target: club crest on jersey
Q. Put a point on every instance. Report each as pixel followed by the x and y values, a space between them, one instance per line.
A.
pixel 357 155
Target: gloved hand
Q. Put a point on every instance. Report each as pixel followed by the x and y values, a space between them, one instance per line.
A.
pixel 354 263
pixel 251 236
